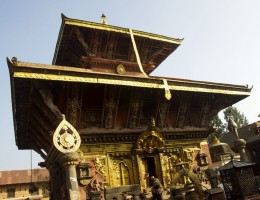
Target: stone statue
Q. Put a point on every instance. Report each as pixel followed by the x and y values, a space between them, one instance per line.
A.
pixel 232 127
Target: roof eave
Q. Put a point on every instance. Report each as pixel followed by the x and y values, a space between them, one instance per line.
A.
pixel 49 72
pixel 63 17
pixel 93 25
pixel 11 70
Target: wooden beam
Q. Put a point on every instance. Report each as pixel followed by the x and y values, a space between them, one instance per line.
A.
pixel 38 128
pixel 156 53
pixel 36 146
pixel 90 59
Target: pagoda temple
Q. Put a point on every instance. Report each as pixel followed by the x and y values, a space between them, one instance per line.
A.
pixel 100 120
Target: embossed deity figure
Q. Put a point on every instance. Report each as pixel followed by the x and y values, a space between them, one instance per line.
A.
pixel 99 166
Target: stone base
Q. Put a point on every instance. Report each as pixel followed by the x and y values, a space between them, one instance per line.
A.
pixel 118 192
pixel 216 194
pixel 95 195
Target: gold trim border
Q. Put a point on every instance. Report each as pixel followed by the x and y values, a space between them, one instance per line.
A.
pixel 125 31
pixel 54 77
pixel 68 78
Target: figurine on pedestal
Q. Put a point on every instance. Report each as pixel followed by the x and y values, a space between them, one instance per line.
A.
pixel 240 144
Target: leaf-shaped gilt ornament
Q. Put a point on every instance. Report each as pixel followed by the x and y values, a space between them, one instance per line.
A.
pixel 66 138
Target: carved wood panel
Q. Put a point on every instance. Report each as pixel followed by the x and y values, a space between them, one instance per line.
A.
pixel 111 101
pixel 135 107
pixel 74 103
pixel 183 111
pixel 163 109
pixel 204 114
pixel 92 106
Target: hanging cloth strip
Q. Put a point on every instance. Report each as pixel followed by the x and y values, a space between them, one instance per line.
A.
pixel 136 53
pixel 168 94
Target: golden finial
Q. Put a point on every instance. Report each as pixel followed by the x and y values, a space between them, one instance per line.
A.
pixel 215 140
pixel 14 60
pixel 103 19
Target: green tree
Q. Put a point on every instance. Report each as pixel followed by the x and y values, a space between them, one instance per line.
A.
pixel 238 117
pixel 221 128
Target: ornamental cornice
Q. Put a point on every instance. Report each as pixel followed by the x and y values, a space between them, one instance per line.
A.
pixel 133 83
pixel 132 138
pixel 73 74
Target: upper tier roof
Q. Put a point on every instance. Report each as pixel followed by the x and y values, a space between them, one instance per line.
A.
pixel 93 45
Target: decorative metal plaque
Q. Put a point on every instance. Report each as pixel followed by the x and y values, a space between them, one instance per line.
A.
pixel 66 138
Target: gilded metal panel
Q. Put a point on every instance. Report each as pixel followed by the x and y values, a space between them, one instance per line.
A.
pixel 121 171
pixel 123 82
pixel 166 169
pixel 142 168
pixel 55 77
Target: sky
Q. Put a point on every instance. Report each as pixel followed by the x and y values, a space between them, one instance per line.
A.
pixel 221 44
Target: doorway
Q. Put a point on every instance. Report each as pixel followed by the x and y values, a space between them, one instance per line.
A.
pixel 150 166
pixel 151 169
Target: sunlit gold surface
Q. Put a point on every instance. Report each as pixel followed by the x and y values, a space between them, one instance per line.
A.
pixel 121 30
pixel 137 53
pixel 120 69
pixel 123 82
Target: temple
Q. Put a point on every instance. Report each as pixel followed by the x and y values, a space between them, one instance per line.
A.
pixel 100 120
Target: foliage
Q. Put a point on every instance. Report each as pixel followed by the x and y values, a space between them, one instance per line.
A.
pixel 221 128
pixel 219 125
pixel 238 117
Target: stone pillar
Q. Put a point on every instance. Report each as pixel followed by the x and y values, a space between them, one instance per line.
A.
pixel 240 145
pixel 68 162
pixel 212 177
pixel 215 193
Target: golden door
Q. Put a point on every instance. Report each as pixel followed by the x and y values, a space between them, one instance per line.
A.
pixel 149 166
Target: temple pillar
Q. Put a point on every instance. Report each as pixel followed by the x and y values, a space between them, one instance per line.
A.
pixel 215 192
pixel 55 181
pixel 68 162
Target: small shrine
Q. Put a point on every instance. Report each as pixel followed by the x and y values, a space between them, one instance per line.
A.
pixel 238 180
pixel 220 153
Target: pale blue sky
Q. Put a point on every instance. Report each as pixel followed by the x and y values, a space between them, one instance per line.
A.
pixel 221 44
